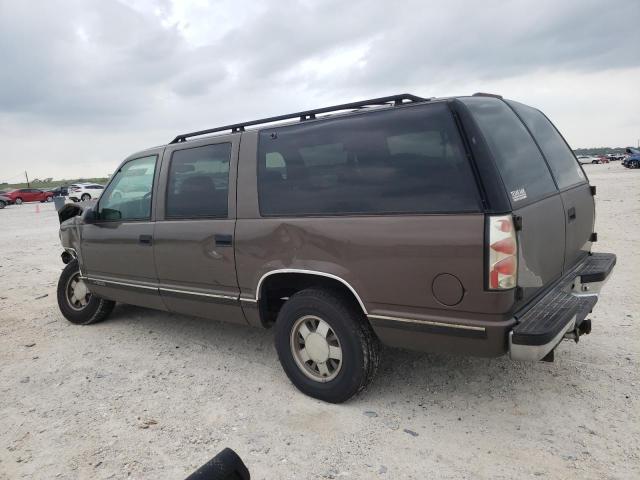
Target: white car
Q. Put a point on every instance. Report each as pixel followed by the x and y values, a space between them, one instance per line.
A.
pixel 586 159
pixel 85 191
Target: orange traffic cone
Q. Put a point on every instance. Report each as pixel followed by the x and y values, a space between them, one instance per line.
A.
pixel 37 208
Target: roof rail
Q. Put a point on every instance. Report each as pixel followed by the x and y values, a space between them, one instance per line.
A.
pixel 305 115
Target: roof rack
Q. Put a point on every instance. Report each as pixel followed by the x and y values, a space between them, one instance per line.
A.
pixel 305 115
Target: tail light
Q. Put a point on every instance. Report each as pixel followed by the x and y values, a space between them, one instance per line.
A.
pixel 502 253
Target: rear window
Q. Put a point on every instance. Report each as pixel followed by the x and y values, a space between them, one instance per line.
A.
pixel 407 160
pixel 523 170
pixel 563 163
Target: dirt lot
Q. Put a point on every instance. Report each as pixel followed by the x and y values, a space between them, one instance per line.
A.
pixel 153 395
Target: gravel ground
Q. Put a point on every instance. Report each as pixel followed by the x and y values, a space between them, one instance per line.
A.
pixel 153 395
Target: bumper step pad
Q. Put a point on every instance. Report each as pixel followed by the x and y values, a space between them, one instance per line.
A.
pixel 543 322
pixel 597 267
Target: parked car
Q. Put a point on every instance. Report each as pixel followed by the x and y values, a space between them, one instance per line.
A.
pixel 632 159
pixel 21 195
pixel 586 159
pixel 85 191
pixel 459 225
pixel 61 191
pixel 615 156
pixel 4 201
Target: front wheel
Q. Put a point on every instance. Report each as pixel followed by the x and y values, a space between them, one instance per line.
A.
pixel 85 197
pixel 18 201
pixel 2 204
pixel 76 302
pixel 326 345
pixel 49 199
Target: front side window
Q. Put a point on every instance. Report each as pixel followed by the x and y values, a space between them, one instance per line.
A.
pixel 523 170
pixel 405 160
pixel 199 182
pixel 563 163
pixel 128 196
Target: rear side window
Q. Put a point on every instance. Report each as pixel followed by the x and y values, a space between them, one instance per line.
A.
pixel 199 182
pixel 523 170
pixel 563 163
pixel 407 160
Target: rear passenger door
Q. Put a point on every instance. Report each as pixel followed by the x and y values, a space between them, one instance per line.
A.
pixel 193 242
pixel 575 191
pixel 531 190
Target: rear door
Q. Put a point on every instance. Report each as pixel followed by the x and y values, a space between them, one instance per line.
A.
pixel 532 193
pixel 194 237
pixel 574 188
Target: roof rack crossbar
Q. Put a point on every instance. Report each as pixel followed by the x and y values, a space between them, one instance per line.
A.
pixel 305 115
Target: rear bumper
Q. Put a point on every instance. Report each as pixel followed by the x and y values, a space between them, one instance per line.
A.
pixel 559 313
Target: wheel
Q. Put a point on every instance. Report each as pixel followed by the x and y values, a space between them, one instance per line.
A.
pixel 326 345
pixel 49 199
pixel 2 204
pixel 595 161
pixel 18 201
pixel 76 303
pixel 85 197
pixel 635 164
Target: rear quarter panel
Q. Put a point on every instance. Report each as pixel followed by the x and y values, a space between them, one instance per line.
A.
pixel 389 260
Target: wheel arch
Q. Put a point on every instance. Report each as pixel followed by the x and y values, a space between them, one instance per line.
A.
pixel 275 285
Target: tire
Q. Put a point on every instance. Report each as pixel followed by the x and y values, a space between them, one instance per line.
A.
pixel 85 197
pixel 95 308
pixel 49 199
pixel 2 204
pixel 348 328
pixel 18 201
pixel 595 162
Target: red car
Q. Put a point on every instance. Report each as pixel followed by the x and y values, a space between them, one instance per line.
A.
pixel 29 195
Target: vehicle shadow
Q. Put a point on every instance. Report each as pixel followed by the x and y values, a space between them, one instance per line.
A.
pixel 402 376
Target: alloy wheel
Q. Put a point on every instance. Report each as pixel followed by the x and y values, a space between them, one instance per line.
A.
pixel 316 348
pixel 78 294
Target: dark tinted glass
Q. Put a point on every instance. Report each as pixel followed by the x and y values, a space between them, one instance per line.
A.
pixel 407 160
pixel 560 158
pixel 523 170
pixel 199 182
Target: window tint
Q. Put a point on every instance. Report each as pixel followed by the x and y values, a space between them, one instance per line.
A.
pixel 128 196
pixel 563 163
pixel 199 182
pixel 406 160
pixel 523 170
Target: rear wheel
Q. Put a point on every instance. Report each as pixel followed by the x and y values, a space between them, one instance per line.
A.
pixel 326 345
pixel 2 204
pixel 76 302
pixel 49 199
pixel 18 201
pixel 85 197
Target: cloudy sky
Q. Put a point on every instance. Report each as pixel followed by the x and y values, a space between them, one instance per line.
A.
pixel 83 83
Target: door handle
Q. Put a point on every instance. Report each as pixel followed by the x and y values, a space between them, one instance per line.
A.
pixel 145 239
pixel 223 240
pixel 571 213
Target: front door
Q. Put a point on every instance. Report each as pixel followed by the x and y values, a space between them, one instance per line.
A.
pixel 117 250
pixel 193 240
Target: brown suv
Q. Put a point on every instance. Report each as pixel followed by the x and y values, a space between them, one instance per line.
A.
pixel 453 225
